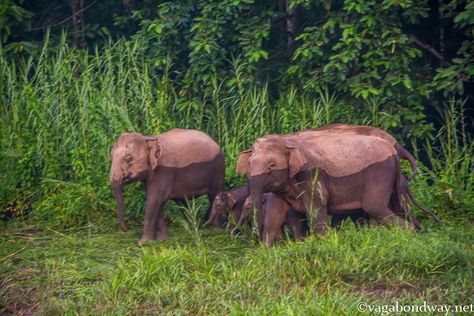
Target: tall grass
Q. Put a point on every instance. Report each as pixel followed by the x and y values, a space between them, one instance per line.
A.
pixel 62 109
pixel 450 163
pixel 105 272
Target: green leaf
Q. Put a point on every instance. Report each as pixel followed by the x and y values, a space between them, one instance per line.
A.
pixel 407 83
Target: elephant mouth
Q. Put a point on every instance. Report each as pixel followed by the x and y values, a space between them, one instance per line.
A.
pixel 130 177
pixel 127 178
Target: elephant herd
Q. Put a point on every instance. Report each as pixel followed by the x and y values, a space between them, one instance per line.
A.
pixel 293 179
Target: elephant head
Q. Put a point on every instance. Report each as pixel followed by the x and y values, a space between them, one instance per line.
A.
pixel 269 165
pixel 222 205
pixel 133 158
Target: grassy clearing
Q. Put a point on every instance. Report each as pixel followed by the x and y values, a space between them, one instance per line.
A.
pixel 92 270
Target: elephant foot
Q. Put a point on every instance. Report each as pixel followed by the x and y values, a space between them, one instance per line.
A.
pixel 144 239
pixel 162 236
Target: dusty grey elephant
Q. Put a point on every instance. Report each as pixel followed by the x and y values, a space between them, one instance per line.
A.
pixel 229 205
pixel 320 173
pixel 175 165
pixel 276 214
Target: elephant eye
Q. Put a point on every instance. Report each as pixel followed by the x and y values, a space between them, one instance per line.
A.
pixel 128 158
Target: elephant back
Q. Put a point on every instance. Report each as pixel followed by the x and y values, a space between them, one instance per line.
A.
pixel 183 147
pixel 339 155
pixel 346 129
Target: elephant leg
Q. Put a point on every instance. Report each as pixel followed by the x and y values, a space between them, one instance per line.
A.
pixel 152 204
pixel 321 221
pixel 161 229
pixel 337 219
pixel 297 223
pixel 269 235
pixel 387 216
pixel 318 210
pixel 316 203
pixel 217 186
pixel 273 225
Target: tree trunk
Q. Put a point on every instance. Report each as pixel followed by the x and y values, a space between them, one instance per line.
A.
pixel 290 27
pixel 441 30
pixel 77 7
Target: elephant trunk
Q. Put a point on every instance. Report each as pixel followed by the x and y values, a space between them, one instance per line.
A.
pixel 212 215
pixel 256 192
pixel 117 190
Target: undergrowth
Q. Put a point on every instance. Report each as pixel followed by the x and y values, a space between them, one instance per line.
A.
pixel 96 270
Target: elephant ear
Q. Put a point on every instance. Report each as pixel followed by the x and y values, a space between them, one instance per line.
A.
pixel 243 162
pixel 297 161
pixel 155 151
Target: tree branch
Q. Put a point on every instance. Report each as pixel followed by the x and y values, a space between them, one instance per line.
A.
pixel 432 51
pixel 63 21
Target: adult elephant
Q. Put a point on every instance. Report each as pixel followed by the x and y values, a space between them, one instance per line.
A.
pixel 405 191
pixel 175 165
pixel 332 173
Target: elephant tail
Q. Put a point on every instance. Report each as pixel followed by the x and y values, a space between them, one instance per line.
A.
pixel 396 202
pixel 417 204
pixel 405 154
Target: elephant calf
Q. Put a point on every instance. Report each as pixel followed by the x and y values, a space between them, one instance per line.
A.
pixel 176 165
pixel 276 212
pixel 228 204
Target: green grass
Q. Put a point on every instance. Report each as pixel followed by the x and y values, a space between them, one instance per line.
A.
pixel 97 270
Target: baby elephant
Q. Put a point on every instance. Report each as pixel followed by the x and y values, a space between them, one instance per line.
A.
pixel 276 213
pixel 228 204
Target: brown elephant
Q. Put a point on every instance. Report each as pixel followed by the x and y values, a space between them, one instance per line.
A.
pixel 407 195
pixel 175 165
pixel 276 213
pixel 229 205
pixel 345 129
pixel 360 218
pixel 320 173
